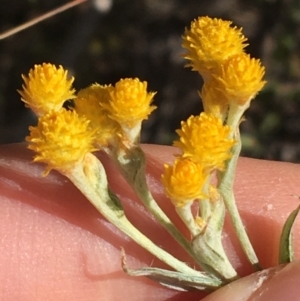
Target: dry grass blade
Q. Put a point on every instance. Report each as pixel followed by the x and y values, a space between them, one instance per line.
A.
pixel 40 18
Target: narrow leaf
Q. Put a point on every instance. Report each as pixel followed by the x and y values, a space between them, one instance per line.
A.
pixel 286 250
pixel 175 280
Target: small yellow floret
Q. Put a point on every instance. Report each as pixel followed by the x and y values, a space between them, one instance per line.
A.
pixel 205 139
pixel 88 103
pixel 46 88
pixel 214 194
pixel 130 102
pixel 184 181
pixel 209 42
pixel 201 223
pixel 240 78
pixel 61 139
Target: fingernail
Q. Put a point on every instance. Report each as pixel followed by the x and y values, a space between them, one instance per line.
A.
pixel 281 285
pixel 247 288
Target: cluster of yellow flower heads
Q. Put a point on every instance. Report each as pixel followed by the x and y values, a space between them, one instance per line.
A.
pixel 101 115
pixel 231 80
pixel 205 143
pixel 109 117
pixel 216 51
pixel 106 116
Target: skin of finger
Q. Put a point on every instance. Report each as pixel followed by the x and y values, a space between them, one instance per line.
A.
pixel 55 246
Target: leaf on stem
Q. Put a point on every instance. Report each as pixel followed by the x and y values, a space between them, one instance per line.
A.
pixel 175 280
pixel 286 250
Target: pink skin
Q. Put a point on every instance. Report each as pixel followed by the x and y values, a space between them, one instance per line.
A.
pixel 56 246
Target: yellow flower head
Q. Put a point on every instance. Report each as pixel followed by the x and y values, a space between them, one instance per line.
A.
pixel 130 102
pixel 214 102
pixel 209 42
pixel 183 182
pixel 240 78
pixel 88 104
pixel 46 88
pixel 205 139
pixel 61 139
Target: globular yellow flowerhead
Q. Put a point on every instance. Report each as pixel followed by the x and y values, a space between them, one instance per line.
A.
pixel 130 102
pixel 61 139
pixel 209 42
pixel 184 181
pixel 205 139
pixel 214 101
pixel 240 78
pixel 88 103
pixel 46 88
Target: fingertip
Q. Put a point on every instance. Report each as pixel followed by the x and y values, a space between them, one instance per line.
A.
pixel 282 286
pixel 280 283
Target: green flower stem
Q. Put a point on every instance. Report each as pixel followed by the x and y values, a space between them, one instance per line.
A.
pixel 226 180
pixel 132 163
pixel 209 245
pixel 205 204
pixel 235 114
pixel 90 179
pixel 205 209
pixel 187 217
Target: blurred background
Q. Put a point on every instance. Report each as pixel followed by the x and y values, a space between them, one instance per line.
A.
pixel 104 40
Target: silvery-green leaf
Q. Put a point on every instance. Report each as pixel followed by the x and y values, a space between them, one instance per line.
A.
pixel 208 245
pixel 177 280
pixel 286 251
